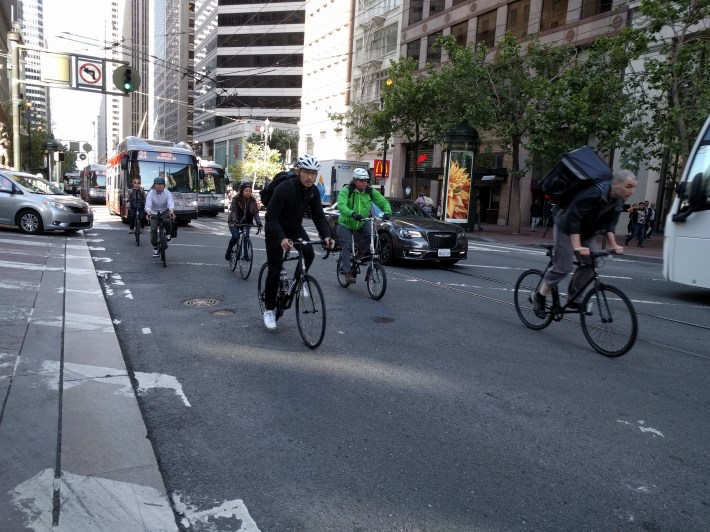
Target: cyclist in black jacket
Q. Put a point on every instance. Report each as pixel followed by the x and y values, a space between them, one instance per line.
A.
pixel 284 222
pixel 593 210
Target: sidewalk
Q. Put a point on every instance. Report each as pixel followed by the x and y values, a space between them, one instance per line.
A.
pixel 74 452
pixel 503 234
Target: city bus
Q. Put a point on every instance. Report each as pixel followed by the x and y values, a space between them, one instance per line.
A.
pixel 72 182
pixel 213 188
pixel 686 241
pixel 93 183
pixel 146 160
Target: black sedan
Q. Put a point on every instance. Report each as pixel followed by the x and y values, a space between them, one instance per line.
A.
pixel 412 234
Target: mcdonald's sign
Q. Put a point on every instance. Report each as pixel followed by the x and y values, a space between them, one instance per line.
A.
pixel 379 163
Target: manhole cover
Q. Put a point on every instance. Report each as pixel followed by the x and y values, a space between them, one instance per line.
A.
pixel 201 302
pixel 382 319
pixel 223 313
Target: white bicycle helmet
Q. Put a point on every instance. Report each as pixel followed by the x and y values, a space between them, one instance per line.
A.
pixel 360 173
pixel 308 162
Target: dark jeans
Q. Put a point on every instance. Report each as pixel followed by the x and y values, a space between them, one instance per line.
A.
pixel 235 236
pixel 637 231
pixel 132 217
pixel 274 258
pixel 345 239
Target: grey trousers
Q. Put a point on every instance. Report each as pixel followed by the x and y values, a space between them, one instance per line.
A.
pixel 563 263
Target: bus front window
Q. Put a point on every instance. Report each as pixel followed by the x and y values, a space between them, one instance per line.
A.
pixel 178 177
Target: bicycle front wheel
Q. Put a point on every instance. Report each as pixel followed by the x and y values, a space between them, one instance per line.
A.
pixel 261 284
pixel 234 257
pixel 341 276
pixel 609 321
pixel 163 243
pixel 376 280
pixel 245 262
pixel 310 311
pixel 525 289
pixel 137 227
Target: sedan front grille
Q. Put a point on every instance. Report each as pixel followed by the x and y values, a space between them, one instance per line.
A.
pixel 78 210
pixel 441 240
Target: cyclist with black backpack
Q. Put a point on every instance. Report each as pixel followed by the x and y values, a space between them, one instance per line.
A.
pixel 284 223
pixel 354 204
pixel 592 210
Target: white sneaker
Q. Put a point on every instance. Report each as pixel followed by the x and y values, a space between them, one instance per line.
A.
pixel 169 238
pixel 270 319
pixel 156 253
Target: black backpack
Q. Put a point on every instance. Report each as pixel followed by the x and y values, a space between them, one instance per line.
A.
pixel 268 191
pixel 576 171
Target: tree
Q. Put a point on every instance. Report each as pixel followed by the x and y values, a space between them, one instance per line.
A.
pixel 281 140
pixel 260 164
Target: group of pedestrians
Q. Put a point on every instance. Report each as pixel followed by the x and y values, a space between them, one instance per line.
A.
pixel 641 222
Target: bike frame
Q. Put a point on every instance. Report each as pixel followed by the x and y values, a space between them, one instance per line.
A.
pixel 356 262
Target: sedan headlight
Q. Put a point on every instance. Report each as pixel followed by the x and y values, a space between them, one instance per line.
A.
pixel 461 236
pixel 408 233
pixel 55 204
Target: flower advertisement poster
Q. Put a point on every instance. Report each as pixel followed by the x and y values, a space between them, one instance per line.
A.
pixel 458 191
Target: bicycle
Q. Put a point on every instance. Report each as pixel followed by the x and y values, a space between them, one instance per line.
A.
pixel 375 276
pixel 607 317
pixel 162 239
pixel 138 226
pixel 310 304
pixel 243 245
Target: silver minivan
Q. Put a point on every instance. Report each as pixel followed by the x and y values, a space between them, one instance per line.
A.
pixel 35 205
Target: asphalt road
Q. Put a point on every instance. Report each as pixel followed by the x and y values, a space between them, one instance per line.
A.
pixel 432 409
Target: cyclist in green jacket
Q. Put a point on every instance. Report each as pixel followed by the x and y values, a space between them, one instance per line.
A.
pixel 354 204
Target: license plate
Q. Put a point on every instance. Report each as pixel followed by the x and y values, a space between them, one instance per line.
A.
pixel 84 218
pixel 444 252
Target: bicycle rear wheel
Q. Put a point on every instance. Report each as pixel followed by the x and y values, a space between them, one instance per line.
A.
pixel 260 286
pixel 341 276
pixel 137 228
pixel 376 280
pixel 245 264
pixel 163 243
pixel 310 311
pixel 525 289
pixel 609 321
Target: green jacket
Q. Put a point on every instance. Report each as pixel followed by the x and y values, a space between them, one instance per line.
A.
pixel 351 200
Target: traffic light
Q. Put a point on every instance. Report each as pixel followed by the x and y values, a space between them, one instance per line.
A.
pixel 126 79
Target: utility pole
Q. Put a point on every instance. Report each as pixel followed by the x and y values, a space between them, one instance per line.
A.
pixel 15 38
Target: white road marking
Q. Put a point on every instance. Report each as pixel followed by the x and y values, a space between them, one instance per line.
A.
pixel 146 330
pixel 233 510
pixel 91 503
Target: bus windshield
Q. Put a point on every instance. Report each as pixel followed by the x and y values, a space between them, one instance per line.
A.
pixel 213 181
pixel 98 179
pixel 178 176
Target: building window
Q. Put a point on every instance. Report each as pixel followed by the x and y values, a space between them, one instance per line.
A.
pixel 457 2
pixel 554 14
pixel 433 52
pixel 460 33
pixel 413 50
pixel 594 7
pixel 309 145
pixel 518 18
pixel 486 31
pixel 384 41
pixel 435 7
pixel 416 9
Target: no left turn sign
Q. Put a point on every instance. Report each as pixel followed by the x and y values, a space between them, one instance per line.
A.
pixel 90 73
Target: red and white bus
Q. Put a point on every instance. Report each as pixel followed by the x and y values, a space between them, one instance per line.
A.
pixel 146 160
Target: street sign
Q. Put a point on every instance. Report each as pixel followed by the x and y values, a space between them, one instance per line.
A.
pixel 90 73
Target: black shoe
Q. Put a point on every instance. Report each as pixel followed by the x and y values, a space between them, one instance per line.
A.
pixel 539 306
pixel 574 305
pixel 228 255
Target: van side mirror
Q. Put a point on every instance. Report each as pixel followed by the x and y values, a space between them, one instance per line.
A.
pixel 696 198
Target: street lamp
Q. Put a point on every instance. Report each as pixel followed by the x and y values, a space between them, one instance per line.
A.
pixel 266 132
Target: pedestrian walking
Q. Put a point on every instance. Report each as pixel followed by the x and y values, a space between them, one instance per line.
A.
pixel 638 229
pixel 651 221
pixel 535 214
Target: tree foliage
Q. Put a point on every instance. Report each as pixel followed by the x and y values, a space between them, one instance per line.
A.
pixel 260 164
